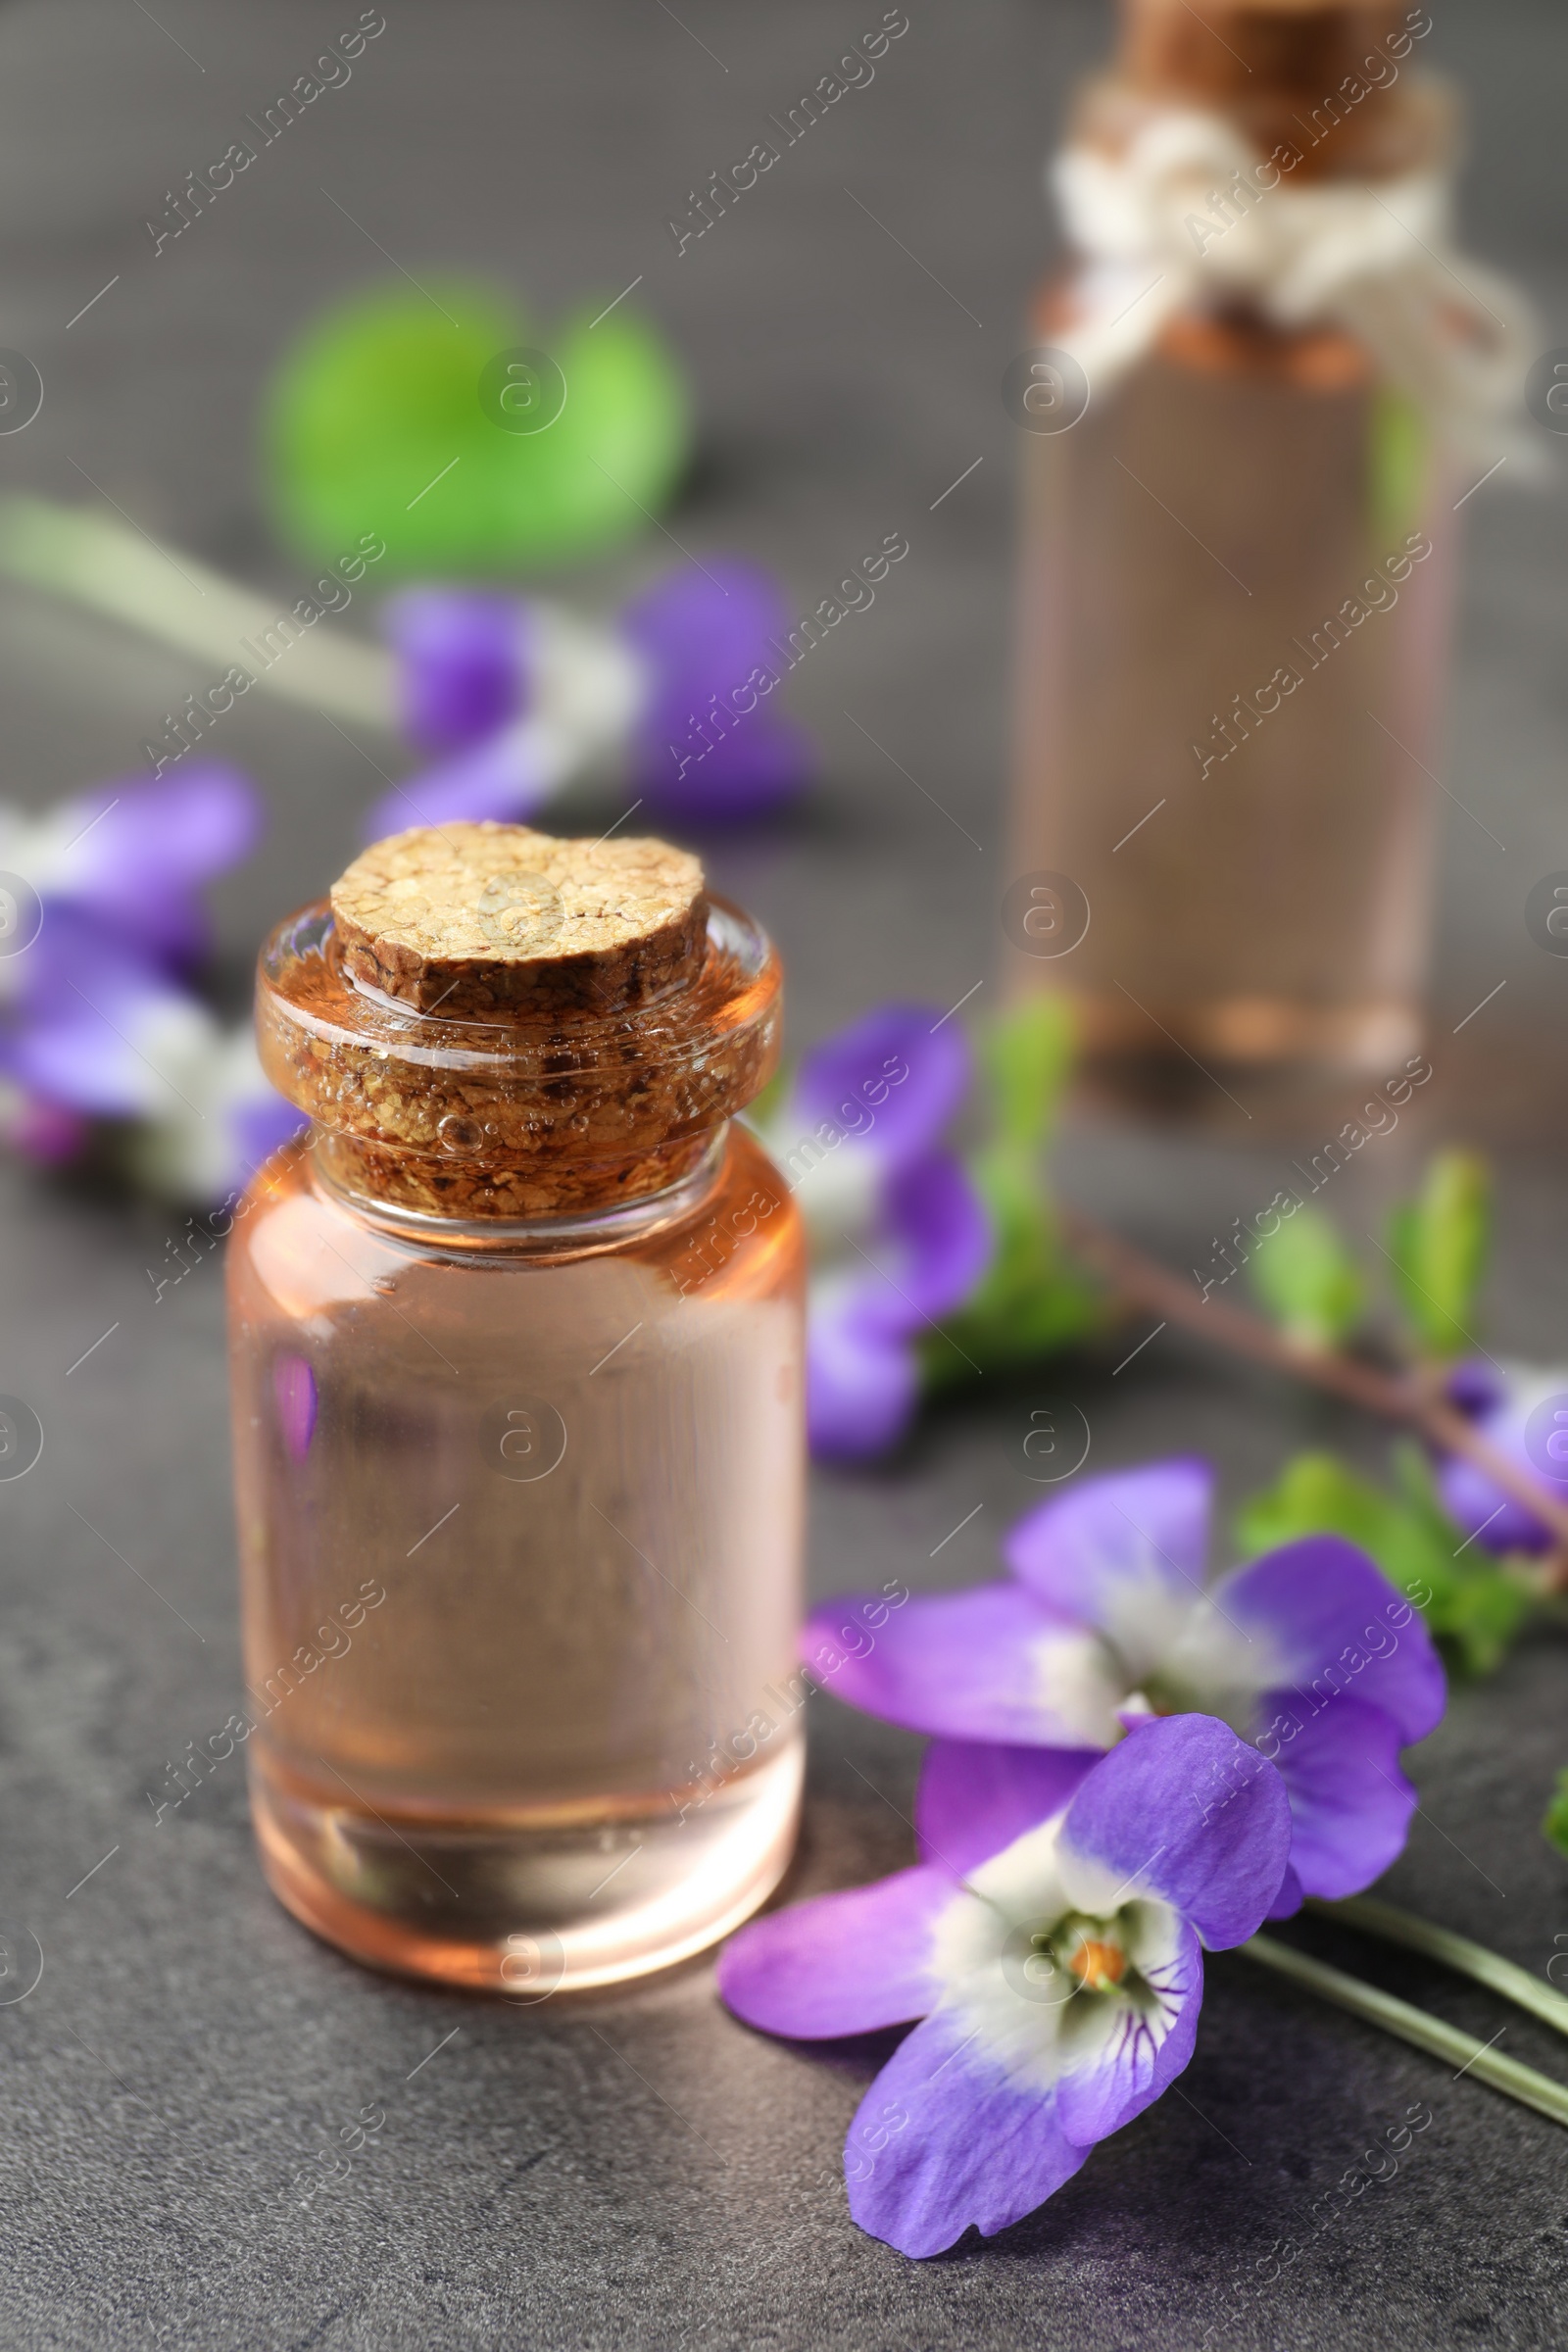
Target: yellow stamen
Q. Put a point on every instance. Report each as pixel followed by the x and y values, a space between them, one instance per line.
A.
pixel 1098 1966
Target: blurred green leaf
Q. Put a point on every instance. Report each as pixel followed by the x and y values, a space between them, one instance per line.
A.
pixel 764 1108
pixel 372 421
pixel 1315 1495
pixel 1307 1280
pixel 1400 454
pixel 1439 1243
pixel 1027 1054
pixel 1475 1602
pixel 1556 1824
pixel 1480 1600
pixel 1032 1300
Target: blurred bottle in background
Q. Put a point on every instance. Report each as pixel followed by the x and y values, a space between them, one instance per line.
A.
pixel 1252 399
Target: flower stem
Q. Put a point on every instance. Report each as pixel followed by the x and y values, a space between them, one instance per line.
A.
pixel 91 559
pixel 1409 1400
pixel 1413 2024
pixel 1455 1951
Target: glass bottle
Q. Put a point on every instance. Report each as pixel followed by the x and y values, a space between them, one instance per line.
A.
pixel 1222 830
pixel 517 1366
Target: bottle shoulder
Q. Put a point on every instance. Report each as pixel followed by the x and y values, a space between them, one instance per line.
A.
pixel 1237 340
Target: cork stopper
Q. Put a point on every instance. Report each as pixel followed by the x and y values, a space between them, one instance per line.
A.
pixel 1239 48
pixel 491 921
pixel 1335 83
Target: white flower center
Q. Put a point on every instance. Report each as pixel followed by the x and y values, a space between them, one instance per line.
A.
pixel 1159 1652
pixel 1038 1981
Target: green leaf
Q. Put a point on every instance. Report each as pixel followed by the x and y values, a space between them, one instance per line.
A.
pixel 1307 1280
pixel 764 1108
pixel 1032 1299
pixel 373 421
pixel 1556 1824
pixel 1474 1602
pixel 1439 1244
pixel 1027 1055
pixel 1316 1494
pixel 1399 461
pixel 1480 1600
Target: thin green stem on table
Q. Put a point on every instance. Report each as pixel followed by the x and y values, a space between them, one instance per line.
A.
pixel 1457 1952
pixel 1408 2023
pixel 90 558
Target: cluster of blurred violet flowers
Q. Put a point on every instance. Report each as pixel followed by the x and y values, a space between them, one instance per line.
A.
pixel 916 1154
pixel 104 1038
pixel 102 1033
pixel 898 1233
pixel 520 696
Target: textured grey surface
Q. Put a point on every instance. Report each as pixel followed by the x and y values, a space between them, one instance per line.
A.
pixel 636 2169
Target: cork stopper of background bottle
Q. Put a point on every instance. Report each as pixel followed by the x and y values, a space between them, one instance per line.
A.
pixel 1335 81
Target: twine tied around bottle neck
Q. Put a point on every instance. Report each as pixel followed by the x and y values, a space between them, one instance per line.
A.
pixel 1189 213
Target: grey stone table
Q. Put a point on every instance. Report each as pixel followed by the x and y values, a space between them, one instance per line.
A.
pixel 636 2169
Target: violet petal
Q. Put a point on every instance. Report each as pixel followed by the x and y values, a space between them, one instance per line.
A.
pixel 1350 1804
pixel 1291 1896
pixel 462 655
pixel 497 779
pixel 943 1234
pixel 1186 1811
pixel 961 1665
pixel 1115 1551
pixel 258 1127
pixel 1334 1621
pixel 144 848
pixel 82 1058
pixel 892 1079
pixel 1471 1498
pixel 945 2139
pixel 707 742
pixel 848 1963
pixel 1476 1388
pixel 975 1796
pixel 761 762
pixel 862 1387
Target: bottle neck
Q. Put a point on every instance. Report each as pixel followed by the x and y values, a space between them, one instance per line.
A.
pixel 565 1208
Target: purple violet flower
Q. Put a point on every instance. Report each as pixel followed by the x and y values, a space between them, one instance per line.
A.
pixel 128 1043
pixel 133 854
pixel 524 697
pixel 898 1233
pixel 1051 1939
pixel 506 777
pixel 96 1027
pixel 707 742
pixel 462 663
pixel 1501 1401
pixel 1307 1653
